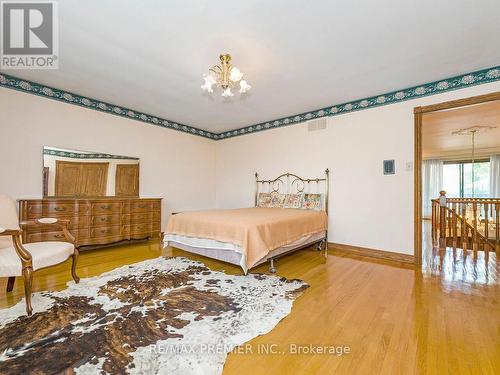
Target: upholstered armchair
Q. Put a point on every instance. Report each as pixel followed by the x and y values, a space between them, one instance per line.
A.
pixel 18 259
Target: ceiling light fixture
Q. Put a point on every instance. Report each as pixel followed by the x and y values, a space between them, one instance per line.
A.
pixel 472 131
pixel 225 76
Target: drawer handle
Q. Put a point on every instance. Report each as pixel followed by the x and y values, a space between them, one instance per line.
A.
pixel 142 206
pixel 60 208
pixel 105 231
pixel 104 219
pixel 105 207
pixel 59 236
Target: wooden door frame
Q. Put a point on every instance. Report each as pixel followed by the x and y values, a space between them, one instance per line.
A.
pixel 418 113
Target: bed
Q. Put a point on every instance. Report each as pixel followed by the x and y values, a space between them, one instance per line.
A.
pixel 277 225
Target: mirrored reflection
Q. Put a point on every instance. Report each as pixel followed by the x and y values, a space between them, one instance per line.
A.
pixel 73 173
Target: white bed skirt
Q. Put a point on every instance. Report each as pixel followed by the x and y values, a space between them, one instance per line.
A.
pixel 229 252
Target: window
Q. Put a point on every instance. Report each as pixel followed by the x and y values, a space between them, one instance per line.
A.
pixel 451 179
pixel 457 179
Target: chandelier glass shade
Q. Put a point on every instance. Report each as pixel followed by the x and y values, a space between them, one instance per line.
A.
pixel 226 76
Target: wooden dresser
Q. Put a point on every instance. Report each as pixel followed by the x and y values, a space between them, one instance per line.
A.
pixel 94 222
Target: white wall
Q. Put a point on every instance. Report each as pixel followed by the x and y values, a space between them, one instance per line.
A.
pixel 180 168
pixel 366 208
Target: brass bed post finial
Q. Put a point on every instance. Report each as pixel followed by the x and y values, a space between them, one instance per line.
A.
pixel 256 188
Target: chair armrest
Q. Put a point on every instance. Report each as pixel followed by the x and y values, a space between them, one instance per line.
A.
pixel 61 223
pixel 18 246
pixel 10 232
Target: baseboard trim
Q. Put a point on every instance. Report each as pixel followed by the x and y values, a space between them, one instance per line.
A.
pixel 372 253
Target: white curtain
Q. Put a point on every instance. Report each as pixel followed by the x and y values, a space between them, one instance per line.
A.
pixel 432 183
pixel 495 176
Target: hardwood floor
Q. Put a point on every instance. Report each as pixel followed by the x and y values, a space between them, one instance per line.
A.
pixel 395 318
pixel 455 265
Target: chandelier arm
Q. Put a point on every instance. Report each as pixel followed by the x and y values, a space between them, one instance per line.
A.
pixel 222 75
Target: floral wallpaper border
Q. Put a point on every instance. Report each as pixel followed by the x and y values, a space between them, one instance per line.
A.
pixel 71 98
pixel 79 155
pixel 437 87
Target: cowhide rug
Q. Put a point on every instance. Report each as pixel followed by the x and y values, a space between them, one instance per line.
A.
pixel 165 315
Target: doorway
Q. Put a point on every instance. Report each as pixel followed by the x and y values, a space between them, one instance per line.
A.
pixel 456 151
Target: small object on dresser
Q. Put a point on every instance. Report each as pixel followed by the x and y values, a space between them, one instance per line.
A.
pixel 47 220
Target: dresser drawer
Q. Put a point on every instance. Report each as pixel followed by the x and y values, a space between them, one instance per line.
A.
pixel 49 236
pixel 146 217
pixel 109 231
pixel 144 206
pixel 51 209
pixel 104 220
pixel 144 229
pixel 140 228
pixel 106 207
pixel 140 231
pixel 137 207
pixel 75 223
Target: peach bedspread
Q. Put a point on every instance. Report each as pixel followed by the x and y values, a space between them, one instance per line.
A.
pixel 256 230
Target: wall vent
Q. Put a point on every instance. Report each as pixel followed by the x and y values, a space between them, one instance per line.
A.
pixel 318 124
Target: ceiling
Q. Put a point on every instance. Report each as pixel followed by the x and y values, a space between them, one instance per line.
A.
pixel 437 127
pixel 298 55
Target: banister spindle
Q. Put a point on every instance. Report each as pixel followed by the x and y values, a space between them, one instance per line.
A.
pixel 474 232
pixel 463 227
pixel 435 221
pixel 449 222
pixel 454 224
pixel 486 223
pixel 497 227
pixel 442 219
pixel 438 220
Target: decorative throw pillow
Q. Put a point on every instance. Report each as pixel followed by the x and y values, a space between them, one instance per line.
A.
pixel 263 199
pixel 312 202
pixel 293 201
pixel 277 200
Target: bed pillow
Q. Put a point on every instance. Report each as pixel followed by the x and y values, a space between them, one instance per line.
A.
pixel 263 199
pixel 277 200
pixel 312 202
pixel 293 201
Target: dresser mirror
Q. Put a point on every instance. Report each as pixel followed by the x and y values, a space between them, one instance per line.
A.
pixel 79 174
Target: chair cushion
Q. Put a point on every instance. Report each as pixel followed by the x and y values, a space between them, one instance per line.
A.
pixel 44 254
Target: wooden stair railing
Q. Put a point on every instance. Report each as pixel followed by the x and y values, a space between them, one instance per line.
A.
pixel 456 218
